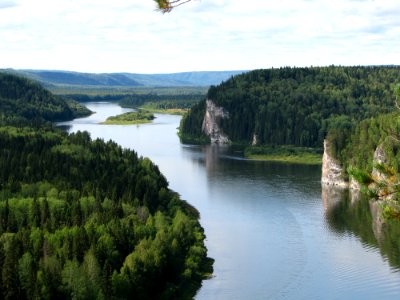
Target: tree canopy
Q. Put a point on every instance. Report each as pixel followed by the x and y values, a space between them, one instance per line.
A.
pixel 296 106
pixel 84 219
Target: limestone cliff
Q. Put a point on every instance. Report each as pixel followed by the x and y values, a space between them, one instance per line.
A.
pixel 255 140
pixel 210 123
pixel 332 171
pixel 379 158
pixel 334 174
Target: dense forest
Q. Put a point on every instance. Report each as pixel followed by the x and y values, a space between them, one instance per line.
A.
pixel 159 99
pixel 184 101
pixel 355 149
pixel 355 146
pixel 25 102
pixel 84 219
pixel 296 106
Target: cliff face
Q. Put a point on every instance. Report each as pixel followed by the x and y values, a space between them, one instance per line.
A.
pixel 332 171
pixel 255 140
pixel 210 123
pixel 379 158
pixel 334 174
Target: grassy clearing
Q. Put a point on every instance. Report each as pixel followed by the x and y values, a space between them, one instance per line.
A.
pixel 286 154
pixel 169 111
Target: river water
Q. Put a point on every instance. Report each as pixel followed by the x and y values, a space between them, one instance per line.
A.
pixel 274 234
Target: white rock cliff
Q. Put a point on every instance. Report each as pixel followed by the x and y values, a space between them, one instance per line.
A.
pixel 379 158
pixel 332 171
pixel 210 123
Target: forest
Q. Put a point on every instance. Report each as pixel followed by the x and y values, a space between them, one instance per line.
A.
pixel 25 102
pixel 87 219
pixel 296 106
pixel 155 99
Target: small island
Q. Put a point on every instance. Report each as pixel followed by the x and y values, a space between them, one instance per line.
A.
pixel 130 118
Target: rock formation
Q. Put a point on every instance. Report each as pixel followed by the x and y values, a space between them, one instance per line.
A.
pixel 379 158
pixel 255 140
pixel 210 123
pixel 332 171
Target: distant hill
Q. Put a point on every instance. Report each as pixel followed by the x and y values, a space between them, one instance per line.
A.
pixel 67 78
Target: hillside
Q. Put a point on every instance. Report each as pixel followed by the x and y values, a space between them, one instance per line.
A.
pixel 84 219
pixel 76 79
pixel 293 106
pixel 24 101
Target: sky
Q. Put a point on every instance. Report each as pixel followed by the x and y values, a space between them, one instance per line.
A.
pixel 101 36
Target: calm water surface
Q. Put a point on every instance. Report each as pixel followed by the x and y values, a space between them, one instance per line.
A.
pixel 274 234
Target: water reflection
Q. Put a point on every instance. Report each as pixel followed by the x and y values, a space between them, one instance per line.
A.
pixel 264 221
pixel 348 212
pixel 226 161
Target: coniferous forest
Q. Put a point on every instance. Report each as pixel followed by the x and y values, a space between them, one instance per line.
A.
pixel 296 106
pixel 86 219
pixel 353 108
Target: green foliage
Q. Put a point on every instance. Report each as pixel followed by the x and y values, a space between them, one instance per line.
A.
pixel 78 109
pixel 360 176
pixel 356 146
pixel 158 101
pixel 297 106
pixel 130 118
pixel 190 128
pixel 379 179
pixel 27 103
pixel 175 100
pixel 84 219
pixel 285 154
pixel 90 217
pixel 391 213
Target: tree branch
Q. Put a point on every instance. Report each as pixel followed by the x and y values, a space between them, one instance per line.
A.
pixel 165 6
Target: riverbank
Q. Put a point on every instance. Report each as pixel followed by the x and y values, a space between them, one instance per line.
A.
pixel 246 205
pixel 285 154
pixel 168 111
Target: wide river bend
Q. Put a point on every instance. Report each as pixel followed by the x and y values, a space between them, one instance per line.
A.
pixel 270 231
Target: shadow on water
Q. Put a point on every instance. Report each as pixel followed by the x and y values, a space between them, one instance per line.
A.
pixel 351 212
pixel 224 162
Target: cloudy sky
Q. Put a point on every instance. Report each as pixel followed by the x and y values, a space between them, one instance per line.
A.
pixel 130 36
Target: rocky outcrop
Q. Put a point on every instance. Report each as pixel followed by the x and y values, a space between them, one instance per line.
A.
pixel 210 123
pixel 332 171
pixel 334 174
pixel 255 140
pixel 354 185
pixel 379 158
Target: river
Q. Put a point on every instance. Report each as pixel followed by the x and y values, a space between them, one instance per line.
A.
pixel 270 231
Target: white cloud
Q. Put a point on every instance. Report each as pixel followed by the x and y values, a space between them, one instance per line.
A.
pixel 129 35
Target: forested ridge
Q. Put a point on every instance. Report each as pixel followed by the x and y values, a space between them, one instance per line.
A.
pixel 297 106
pixel 84 219
pixel 23 101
